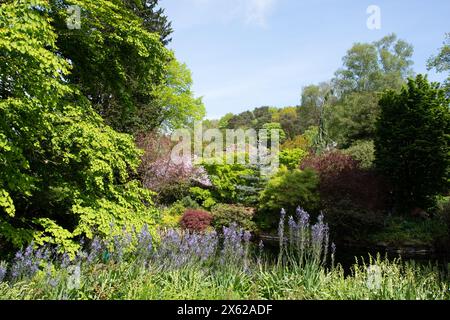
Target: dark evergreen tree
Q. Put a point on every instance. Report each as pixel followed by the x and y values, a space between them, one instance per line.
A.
pixel 412 143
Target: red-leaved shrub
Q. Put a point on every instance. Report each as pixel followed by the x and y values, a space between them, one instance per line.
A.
pixel 341 177
pixel 196 220
pixel 353 198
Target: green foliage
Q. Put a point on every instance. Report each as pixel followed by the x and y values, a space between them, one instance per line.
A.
pixel 412 143
pixel 401 231
pixel 354 118
pixel 121 65
pixel 363 152
pixel 289 120
pixel 63 172
pixel 313 99
pixel 171 216
pixel 441 62
pixel 203 196
pixel 180 108
pixel 154 18
pixel 226 179
pixel 132 280
pixel 226 214
pixel 116 62
pixel 384 64
pixel 274 126
pixel 291 158
pixel 249 119
pixel 288 189
pixel 223 122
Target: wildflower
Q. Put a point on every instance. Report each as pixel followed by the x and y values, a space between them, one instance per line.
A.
pixel 25 263
pixel 96 248
pixel 303 217
pixel 291 223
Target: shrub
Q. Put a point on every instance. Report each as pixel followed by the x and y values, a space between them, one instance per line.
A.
pixel 443 211
pixel 363 152
pixel 226 179
pixel 353 198
pixel 330 164
pixel 196 220
pixel 225 215
pixel 291 158
pixel 342 178
pixel 171 182
pixel 203 196
pixel 286 189
pixel 233 183
pixel 171 216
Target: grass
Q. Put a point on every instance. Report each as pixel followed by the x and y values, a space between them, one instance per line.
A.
pixel 393 280
pixel 212 266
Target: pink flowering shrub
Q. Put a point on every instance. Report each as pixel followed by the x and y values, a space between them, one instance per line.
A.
pixel 170 181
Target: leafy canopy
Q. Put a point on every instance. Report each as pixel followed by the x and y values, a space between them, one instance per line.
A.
pixel 412 142
pixel 63 172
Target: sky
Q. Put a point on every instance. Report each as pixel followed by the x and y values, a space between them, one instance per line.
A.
pixel 245 54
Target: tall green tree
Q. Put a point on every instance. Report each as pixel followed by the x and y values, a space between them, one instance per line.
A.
pixel 441 62
pixel 116 62
pixel 63 172
pixel 313 99
pixel 153 16
pixel 179 106
pixel 384 64
pixel 412 143
pixel 353 118
pixel 290 122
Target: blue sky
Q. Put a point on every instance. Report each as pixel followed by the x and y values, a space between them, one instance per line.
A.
pixel 249 53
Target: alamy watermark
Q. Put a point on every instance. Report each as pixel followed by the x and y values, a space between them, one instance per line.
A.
pixel 374 20
pixel 74 17
pixel 374 277
pixel 228 147
pixel 74 279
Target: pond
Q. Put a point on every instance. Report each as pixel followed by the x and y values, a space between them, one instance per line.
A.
pixel 348 255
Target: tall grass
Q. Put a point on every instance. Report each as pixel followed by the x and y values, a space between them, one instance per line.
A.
pixel 183 265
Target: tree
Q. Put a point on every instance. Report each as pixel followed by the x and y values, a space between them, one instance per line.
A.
pixel 243 120
pixel 412 143
pixel 384 64
pixel 312 101
pixel 255 119
pixel 116 62
pixel 64 174
pixel 154 18
pixel 274 126
pixel 441 62
pixel 179 106
pixel 289 121
pixel 223 122
pixel 353 118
